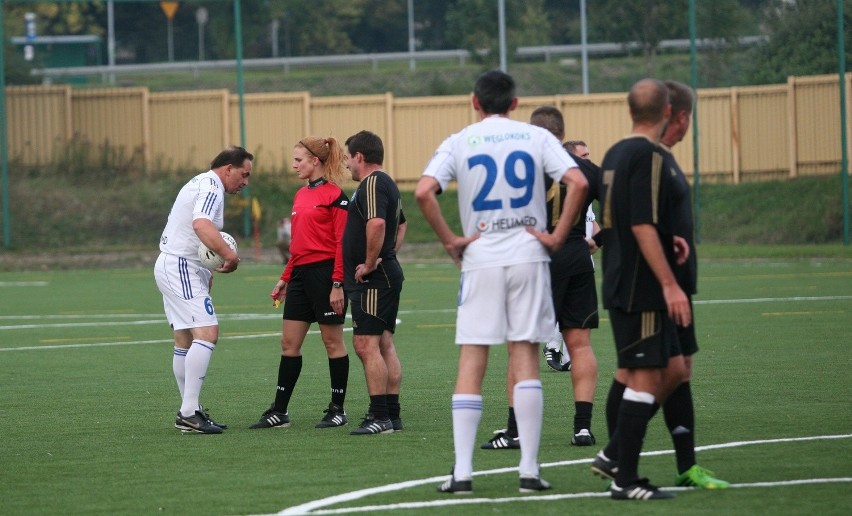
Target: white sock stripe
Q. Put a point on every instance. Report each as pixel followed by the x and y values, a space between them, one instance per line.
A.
pixel 467 405
pixel 637 396
pixel 204 344
pixel 467 401
pixel 528 384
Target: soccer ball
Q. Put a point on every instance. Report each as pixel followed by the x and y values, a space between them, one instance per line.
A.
pixel 211 260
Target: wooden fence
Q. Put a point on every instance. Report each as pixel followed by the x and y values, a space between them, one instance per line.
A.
pixel 745 133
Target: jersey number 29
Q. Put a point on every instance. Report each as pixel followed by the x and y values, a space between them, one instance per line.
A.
pixel 526 181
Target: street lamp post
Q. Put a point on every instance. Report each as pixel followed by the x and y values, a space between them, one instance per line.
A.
pixel 201 17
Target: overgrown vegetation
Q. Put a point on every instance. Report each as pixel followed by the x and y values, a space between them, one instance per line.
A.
pixel 102 211
pixel 561 75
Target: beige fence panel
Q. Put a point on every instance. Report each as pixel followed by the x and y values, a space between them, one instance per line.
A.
pixel 188 129
pixel 113 118
pixel 600 120
pixel 747 133
pixel 817 117
pixel 39 122
pixel 715 138
pixel 763 122
pixel 274 123
pixel 422 124
pixel 526 105
pixel 341 117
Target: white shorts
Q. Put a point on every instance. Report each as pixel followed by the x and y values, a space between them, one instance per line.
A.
pixel 509 303
pixel 186 292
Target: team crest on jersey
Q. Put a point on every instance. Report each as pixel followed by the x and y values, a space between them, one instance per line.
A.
pixel 474 141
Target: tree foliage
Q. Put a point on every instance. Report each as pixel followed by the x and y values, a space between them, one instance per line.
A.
pixel 648 22
pixel 473 25
pixel 803 40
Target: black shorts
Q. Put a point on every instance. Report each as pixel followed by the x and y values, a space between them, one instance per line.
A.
pixel 308 292
pixel 643 339
pixel 575 301
pixel 374 310
pixel 687 343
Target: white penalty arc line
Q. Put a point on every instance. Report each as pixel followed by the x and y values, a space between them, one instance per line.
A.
pixel 769 300
pixel 550 498
pixel 316 506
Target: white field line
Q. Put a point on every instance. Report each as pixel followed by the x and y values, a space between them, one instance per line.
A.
pixel 316 506
pixel 145 319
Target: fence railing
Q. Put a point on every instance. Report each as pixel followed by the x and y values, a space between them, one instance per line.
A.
pixel 745 133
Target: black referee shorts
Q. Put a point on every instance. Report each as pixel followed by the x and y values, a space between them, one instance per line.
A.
pixel 308 292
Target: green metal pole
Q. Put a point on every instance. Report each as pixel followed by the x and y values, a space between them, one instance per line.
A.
pixel 238 44
pixel 696 178
pixel 844 156
pixel 4 157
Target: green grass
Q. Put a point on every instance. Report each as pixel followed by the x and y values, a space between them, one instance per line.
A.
pixel 88 398
pixel 562 75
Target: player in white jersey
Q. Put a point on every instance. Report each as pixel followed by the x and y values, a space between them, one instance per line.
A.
pixel 197 216
pixel 500 165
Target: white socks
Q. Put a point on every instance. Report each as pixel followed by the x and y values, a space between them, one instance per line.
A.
pixel 467 411
pixel 179 368
pixel 529 407
pixel 195 370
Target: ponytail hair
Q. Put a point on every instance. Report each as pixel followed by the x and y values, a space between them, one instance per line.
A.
pixel 330 154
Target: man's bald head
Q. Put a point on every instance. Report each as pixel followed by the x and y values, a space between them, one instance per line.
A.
pixel 648 100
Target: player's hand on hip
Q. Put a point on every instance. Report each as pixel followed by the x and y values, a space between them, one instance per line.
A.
pixel 362 270
pixel 593 246
pixel 456 246
pixel 548 240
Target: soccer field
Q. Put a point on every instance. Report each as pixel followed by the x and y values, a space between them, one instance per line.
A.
pixel 87 404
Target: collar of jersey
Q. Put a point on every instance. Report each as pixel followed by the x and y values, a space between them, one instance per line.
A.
pixel 317 183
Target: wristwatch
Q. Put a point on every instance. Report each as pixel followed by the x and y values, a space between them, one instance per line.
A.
pixel 337 284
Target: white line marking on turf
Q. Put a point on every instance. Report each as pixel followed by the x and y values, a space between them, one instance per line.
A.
pixel 255 316
pixel 769 300
pixel 315 507
pixel 156 341
pixel 159 319
pixel 23 283
pixel 550 498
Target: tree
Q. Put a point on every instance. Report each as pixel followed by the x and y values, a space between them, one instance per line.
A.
pixel 319 28
pixel 383 28
pixel 60 19
pixel 473 25
pixel 802 41
pixel 53 19
pixel 648 22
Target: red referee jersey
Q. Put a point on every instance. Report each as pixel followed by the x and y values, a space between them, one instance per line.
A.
pixel 318 221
